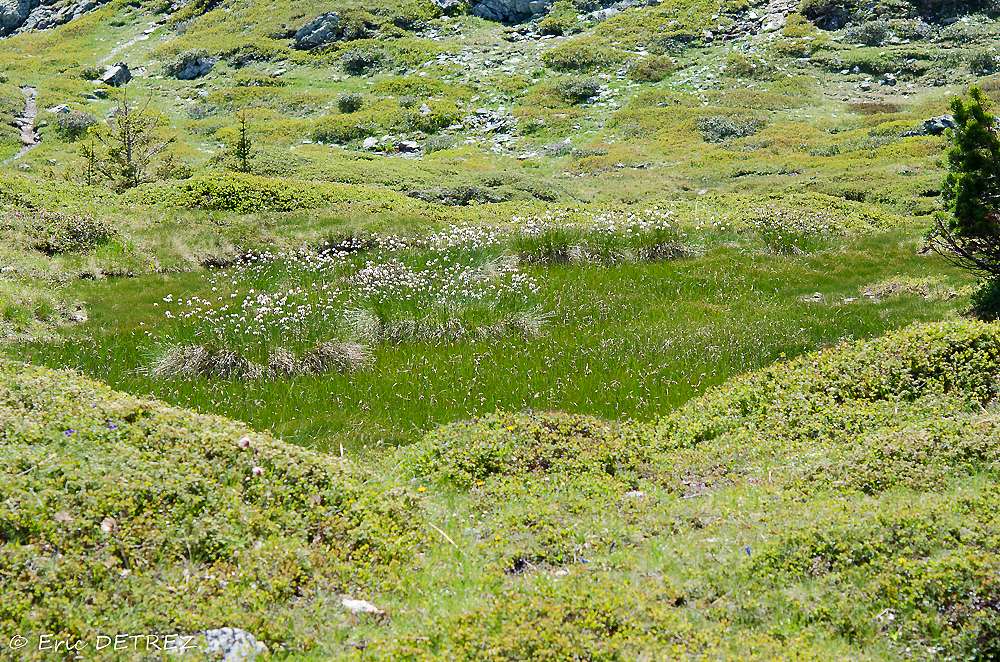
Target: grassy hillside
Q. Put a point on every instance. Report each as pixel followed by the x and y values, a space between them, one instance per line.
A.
pixel 841 504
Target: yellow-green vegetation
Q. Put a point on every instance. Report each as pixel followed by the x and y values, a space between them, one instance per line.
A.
pixel 866 473
pixel 612 332
pixel 128 514
pixel 844 500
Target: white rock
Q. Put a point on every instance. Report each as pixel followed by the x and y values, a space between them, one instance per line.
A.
pixel 359 606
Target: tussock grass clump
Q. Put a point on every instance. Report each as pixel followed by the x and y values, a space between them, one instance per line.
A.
pixel 648 235
pixel 200 361
pixel 443 327
pixel 126 514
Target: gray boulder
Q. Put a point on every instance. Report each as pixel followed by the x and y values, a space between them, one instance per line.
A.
pixel 448 6
pixel 191 65
pixel 13 13
pixel 116 75
pixel 510 11
pixel 935 126
pixel 322 30
pixel 938 125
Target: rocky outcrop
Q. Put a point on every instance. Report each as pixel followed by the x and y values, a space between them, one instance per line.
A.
pixel 448 6
pixel 510 11
pixel 116 75
pixel 191 65
pixel 322 30
pixel 935 126
pixel 13 13
pixel 24 15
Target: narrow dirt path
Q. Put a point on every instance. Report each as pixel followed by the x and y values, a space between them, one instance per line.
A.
pixel 26 123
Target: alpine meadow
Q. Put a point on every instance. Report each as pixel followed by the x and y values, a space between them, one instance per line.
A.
pixel 500 330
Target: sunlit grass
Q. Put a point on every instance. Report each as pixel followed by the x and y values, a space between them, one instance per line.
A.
pixel 624 341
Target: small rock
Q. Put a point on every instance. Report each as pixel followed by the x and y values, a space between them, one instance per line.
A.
pixel 78 316
pixel 233 644
pixel 360 606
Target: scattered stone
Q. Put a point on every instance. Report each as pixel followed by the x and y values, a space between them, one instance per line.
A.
pixel 232 644
pixel 116 75
pixel 360 606
pixel 79 315
pixel 61 109
pixel 370 142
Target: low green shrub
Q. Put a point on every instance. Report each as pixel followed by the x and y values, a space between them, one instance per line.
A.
pixel 652 68
pixel 244 193
pixel 986 300
pixel 719 128
pixel 742 65
pixel 468 452
pixel 985 62
pixel 257 79
pixel 869 33
pixel 140 499
pixel 73 125
pixel 361 61
pixel 562 19
pixel 578 89
pixel 586 616
pixel 921 576
pixel 56 233
pixel 584 53
pixel 350 102
pixel 919 361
